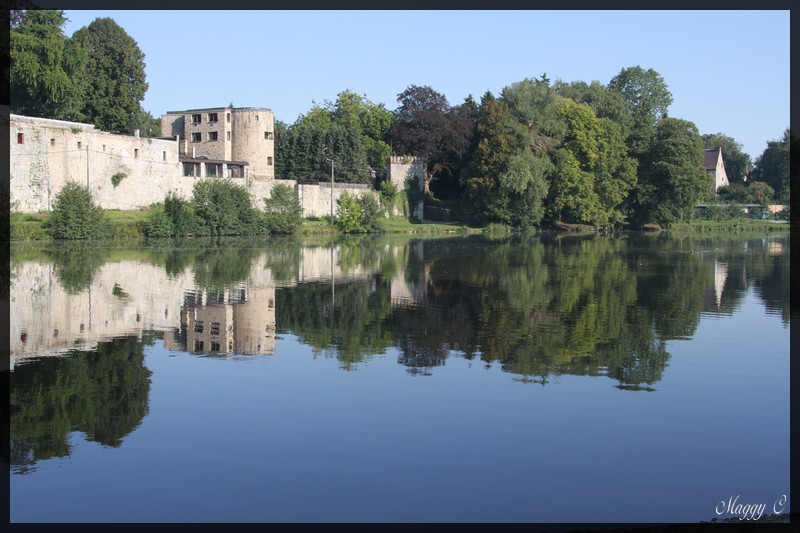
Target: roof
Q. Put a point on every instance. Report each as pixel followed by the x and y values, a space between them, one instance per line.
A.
pixel 206 109
pixel 710 157
pixel 203 159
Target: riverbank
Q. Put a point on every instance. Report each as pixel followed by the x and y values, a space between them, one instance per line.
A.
pixel 129 224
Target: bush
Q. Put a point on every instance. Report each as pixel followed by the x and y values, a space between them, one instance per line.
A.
pixel 224 208
pixel 75 215
pixel 117 178
pixel 348 214
pixel 388 194
pixel 180 214
pixel 158 223
pixel 282 210
pixel 371 213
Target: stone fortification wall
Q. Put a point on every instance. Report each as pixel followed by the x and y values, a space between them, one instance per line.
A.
pixel 46 154
pixel 400 167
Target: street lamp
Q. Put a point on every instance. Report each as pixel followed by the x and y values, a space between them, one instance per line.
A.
pixel 332 162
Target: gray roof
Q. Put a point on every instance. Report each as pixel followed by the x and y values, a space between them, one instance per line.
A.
pixel 710 158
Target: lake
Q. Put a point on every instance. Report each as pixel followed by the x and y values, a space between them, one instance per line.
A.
pixel 635 378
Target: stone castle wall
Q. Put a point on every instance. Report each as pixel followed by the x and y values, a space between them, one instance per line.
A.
pixel 46 154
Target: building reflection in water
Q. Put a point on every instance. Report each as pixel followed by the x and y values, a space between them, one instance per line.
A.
pixel 238 320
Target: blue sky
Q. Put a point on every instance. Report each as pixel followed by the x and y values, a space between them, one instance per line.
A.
pixel 728 71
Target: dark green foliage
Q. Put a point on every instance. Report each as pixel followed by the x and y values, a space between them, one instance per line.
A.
pixel 172 218
pixel 117 178
pixel 224 208
pixel 388 193
pixel 103 394
pixel 47 75
pixel 180 213
pixel 371 213
pixel 674 179
pixel 116 84
pixel 282 210
pixel 75 215
pixel 772 167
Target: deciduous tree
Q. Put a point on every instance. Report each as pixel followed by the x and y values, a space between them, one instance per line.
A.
pixel 117 82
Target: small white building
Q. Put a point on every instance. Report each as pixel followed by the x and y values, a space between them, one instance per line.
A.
pixel 712 158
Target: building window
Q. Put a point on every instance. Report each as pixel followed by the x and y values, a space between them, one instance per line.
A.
pixel 212 117
pixel 269 161
pixel 228 117
pixel 136 153
pixel 164 155
pixel 191 169
pixel 197 137
pixel 198 326
pixel 20 138
pixel 268 135
pixel 256 118
pixel 196 118
pixel 52 142
pixel 212 135
pixel 198 346
pixel 79 145
pixel 215 328
pixel 213 170
pixel 234 171
pixel 214 346
pixel 104 147
pixel 228 135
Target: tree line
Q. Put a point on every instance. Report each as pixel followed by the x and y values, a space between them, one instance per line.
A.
pixel 539 151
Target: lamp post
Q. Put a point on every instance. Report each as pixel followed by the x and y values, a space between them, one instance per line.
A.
pixel 332 162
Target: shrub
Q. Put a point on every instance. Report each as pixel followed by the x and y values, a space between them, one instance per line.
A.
pixel 348 214
pixel 388 193
pixel 371 213
pixel 75 215
pixel 158 224
pixel 282 210
pixel 224 208
pixel 117 178
pixel 180 214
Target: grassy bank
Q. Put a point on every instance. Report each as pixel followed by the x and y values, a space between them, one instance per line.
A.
pixel 129 224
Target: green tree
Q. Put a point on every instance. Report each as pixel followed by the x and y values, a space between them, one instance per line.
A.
pixel 117 83
pixel 47 68
pixel 674 178
pixel 224 208
pixel 759 192
pixel 737 163
pixel 372 122
pixel 282 210
pixel 76 216
pixel 772 167
pixel 594 173
pixel 500 137
pixel 648 97
pixel 607 103
pixel 282 148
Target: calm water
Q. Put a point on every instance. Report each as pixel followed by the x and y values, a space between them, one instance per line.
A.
pixel 580 379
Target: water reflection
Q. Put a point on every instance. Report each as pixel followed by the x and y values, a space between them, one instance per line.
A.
pixel 102 393
pixel 537 308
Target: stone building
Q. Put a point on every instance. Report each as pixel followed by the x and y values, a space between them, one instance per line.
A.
pixel 224 141
pixel 712 159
